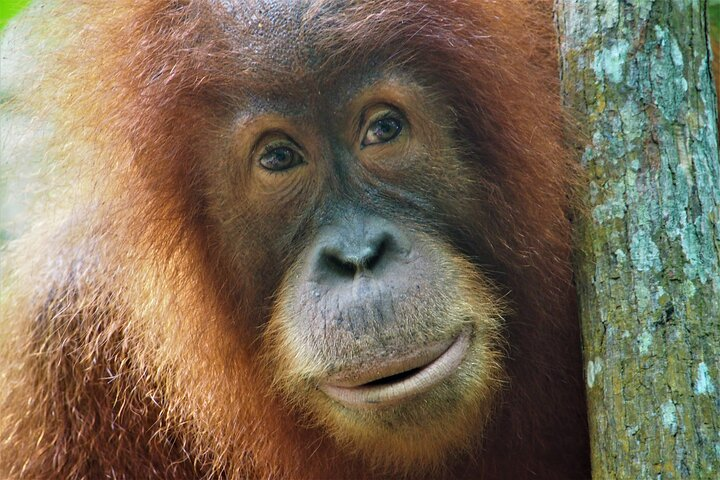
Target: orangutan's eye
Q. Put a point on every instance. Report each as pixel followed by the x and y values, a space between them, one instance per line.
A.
pixel 280 158
pixel 279 154
pixel 383 129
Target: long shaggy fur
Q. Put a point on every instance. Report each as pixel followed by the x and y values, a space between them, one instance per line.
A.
pixel 127 354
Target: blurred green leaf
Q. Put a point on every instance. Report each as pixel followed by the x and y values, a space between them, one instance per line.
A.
pixel 714 17
pixel 9 8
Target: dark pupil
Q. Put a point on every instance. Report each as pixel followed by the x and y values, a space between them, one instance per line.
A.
pixel 386 129
pixel 278 158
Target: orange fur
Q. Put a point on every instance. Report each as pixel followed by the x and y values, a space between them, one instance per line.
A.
pixel 130 352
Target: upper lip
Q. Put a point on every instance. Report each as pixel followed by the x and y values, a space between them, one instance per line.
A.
pixel 398 379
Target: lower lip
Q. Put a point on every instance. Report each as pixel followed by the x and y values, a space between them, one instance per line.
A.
pixel 379 396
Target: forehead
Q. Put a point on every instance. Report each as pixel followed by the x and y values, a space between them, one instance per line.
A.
pixel 288 48
pixel 274 29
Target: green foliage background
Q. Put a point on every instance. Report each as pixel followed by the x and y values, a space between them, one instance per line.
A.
pixel 8 8
pixel 714 19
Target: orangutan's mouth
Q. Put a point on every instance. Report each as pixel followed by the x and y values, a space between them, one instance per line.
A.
pixel 399 379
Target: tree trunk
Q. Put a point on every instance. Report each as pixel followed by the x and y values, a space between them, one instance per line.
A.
pixel 637 75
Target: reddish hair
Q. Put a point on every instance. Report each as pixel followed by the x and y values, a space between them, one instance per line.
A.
pixel 115 318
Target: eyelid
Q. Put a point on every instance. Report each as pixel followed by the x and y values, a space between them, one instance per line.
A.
pixel 274 139
pixel 272 145
pixel 379 110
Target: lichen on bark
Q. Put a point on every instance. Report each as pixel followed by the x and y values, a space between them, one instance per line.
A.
pixel 637 76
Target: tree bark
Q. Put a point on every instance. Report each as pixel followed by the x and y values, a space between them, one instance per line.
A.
pixel 637 74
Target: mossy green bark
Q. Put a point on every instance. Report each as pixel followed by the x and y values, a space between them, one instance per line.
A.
pixel 637 76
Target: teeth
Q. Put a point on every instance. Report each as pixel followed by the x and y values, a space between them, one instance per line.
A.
pixel 395 388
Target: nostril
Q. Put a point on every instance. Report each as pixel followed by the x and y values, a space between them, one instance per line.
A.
pixel 339 264
pixel 347 259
